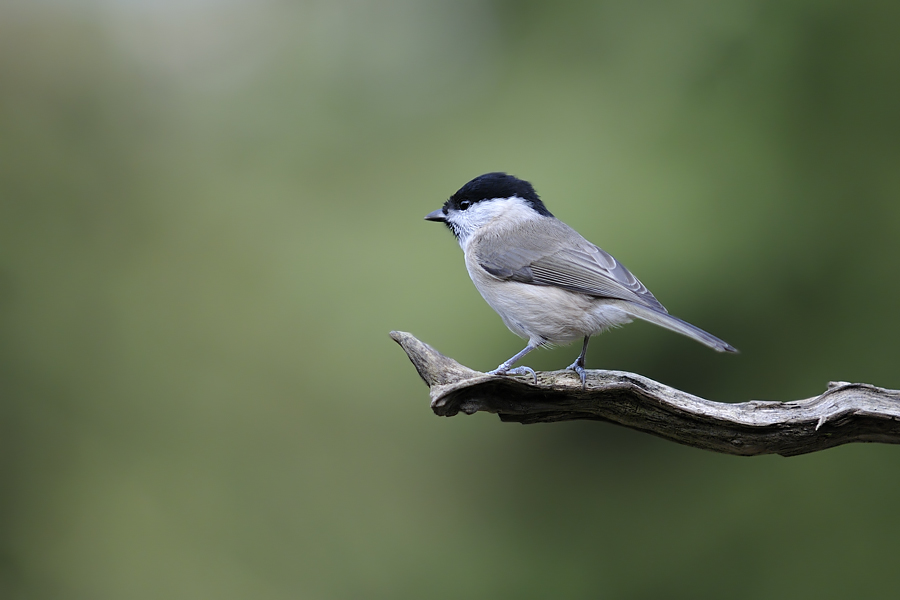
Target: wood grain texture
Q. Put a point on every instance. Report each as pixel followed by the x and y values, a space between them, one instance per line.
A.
pixel 844 413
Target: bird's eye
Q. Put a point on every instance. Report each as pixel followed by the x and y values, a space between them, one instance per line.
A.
pixel 465 204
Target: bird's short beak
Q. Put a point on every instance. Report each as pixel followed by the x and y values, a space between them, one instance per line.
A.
pixel 437 215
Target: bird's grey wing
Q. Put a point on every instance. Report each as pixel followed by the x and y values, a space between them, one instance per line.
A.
pixel 592 271
pixel 562 258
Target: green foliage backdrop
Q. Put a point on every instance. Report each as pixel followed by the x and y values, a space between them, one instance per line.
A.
pixel 211 216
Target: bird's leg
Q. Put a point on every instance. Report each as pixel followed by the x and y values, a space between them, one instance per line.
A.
pixel 578 365
pixel 505 369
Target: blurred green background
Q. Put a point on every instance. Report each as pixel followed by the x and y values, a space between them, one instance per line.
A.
pixel 211 217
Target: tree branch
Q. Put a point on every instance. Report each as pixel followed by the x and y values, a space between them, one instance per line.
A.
pixel 846 412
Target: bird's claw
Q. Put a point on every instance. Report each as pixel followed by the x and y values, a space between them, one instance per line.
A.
pixel 517 371
pixel 578 368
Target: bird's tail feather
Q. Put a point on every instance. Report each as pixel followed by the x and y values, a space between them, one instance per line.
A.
pixel 677 325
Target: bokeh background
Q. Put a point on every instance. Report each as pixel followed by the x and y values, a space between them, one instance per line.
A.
pixel 211 217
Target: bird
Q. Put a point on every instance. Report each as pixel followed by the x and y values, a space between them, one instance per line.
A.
pixel 548 283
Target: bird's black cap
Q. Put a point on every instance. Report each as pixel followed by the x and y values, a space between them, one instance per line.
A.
pixel 497 185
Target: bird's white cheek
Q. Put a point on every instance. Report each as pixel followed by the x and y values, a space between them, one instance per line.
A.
pixel 487 214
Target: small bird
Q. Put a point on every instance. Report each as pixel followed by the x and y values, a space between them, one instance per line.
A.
pixel 548 284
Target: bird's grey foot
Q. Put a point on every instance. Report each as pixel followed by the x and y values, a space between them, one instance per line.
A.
pixel 578 367
pixel 517 371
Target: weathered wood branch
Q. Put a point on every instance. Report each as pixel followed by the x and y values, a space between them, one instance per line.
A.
pixel 846 412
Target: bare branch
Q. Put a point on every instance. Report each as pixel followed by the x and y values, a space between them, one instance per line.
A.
pixel 846 412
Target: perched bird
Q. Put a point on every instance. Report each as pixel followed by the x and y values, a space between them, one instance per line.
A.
pixel 548 284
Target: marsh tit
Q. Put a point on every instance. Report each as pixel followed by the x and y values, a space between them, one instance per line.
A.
pixel 548 284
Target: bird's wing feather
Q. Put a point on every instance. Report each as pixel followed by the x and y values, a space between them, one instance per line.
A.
pixel 556 255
